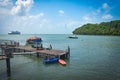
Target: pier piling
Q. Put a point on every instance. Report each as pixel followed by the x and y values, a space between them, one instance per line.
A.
pixel 8 67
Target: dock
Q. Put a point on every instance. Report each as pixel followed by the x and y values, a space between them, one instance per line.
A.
pixel 2 57
pixel 16 49
pixel 9 48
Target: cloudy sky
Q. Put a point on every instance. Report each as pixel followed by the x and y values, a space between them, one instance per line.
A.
pixel 54 16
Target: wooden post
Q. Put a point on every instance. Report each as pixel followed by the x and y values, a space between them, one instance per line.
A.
pixel 68 54
pixel 8 67
pixel 36 46
pixel 37 54
pixel 59 56
pixel 65 55
pixel 2 52
pixel 41 46
pixel 50 47
pixel 8 61
pixel 13 49
pixel 68 49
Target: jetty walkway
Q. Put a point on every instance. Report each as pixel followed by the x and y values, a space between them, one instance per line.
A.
pixel 10 48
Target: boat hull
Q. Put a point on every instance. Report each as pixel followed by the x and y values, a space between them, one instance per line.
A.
pixel 62 62
pixel 73 37
pixel 51 60
pixel 14 33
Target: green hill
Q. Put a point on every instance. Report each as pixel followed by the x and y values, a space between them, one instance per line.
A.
pixel 104 28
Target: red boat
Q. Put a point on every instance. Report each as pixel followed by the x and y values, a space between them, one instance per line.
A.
pixel 62 62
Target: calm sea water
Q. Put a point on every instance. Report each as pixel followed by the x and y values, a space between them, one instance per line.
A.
pixel 92 58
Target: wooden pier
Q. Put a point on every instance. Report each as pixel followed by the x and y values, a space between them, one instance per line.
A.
pixel 17 49
pixel 9 48
pixel 2 57
pixel 41 52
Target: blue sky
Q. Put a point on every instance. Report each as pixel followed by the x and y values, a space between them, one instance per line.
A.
pixel 54 16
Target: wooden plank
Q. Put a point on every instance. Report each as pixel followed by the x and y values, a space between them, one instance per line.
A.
pixel 53 51
pixel 24 53
pixel 2 57
pixel 44 51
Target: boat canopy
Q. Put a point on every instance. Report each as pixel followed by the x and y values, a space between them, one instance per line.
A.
pixel 34 39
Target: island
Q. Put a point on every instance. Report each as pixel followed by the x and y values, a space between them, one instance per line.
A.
pixel 104 28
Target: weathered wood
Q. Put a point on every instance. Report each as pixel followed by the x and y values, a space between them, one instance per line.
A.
pixel 2 57
pixel 24 53
pixel 15 47
pixel 8 67
pixel 53 51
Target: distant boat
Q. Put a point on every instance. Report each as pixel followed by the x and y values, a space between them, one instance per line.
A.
pixel 73 37
pixel 14 33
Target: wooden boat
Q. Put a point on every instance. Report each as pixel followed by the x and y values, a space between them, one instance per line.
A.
pixel 50 60
pixel 62 62
pixel 34 41
pixel 73 37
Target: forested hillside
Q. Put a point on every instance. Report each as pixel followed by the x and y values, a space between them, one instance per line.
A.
pixel 104 28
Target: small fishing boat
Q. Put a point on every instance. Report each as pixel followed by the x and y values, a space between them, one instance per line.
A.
pixel 62 62
pixel 34 41
pixel 50 60
pixel 73 37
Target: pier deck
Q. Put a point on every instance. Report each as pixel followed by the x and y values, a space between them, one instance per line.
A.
pixel 16 49
pixel 44 50
pixel 2 57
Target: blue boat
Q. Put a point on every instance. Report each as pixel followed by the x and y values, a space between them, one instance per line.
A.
pixel 50 60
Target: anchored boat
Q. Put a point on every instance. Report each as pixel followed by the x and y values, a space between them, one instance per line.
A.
pixel 14 33
pixel 35 42
pixel 62 62
pixel 73 37
pixel 50 60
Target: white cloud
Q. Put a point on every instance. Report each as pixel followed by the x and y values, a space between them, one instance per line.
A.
pixel 5 7
pixel 102 12
pixel 86 18
pixel 5 2
pixel 105 6
pixel 36 16
pixel 89 18
pixel 107 16
pixel 22 7
pixel 73 23
pixel 4 11
pixel 61 12
pixel 98 10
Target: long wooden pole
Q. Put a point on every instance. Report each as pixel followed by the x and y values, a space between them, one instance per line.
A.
pixel 8 67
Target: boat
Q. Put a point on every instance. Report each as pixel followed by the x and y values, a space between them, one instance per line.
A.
pixel 50 60
pixel 62 62
pixel 33 41
pixel 14 33
pixel 73 37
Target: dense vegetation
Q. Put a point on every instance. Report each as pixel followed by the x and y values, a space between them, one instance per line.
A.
pixel 104 28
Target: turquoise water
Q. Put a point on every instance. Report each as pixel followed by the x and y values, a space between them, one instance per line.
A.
pixel 91 58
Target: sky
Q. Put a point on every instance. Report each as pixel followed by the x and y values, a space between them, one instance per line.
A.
pixel 54 16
